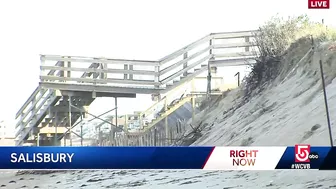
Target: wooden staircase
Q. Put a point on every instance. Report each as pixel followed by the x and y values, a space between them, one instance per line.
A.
pixel 85 78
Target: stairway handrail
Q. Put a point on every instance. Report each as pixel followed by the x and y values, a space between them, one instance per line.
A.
pixel 203 39
pixel 167 95
pixel 183 50
pixel 36 91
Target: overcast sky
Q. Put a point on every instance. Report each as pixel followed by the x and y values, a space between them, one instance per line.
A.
pixel 137 29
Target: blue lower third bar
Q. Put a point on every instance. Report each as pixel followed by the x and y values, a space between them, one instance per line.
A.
pixel 104 157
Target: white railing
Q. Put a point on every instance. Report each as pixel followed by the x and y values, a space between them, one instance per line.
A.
pixel 95 71
pixel 25 125
pixel 218 49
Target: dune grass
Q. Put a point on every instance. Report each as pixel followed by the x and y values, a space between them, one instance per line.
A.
pixel 273 40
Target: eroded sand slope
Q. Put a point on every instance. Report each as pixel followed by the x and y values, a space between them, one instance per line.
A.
pixel 287 111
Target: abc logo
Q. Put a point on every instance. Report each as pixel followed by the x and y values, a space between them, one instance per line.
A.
pixel 313 156
pixel 303 154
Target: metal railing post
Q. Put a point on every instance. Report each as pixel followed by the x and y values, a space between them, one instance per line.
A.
pixel 70 124
pixel 326 104
pixel 238 74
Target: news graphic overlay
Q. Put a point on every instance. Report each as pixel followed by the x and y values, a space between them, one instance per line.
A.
pixel 104 157
pixel 301 156
pixel 244 158
pixel 318 4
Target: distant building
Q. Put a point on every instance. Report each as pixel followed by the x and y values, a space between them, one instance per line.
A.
pixel 6 131
pixel 6 134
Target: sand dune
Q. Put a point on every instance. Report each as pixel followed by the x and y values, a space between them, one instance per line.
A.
pixel 287 111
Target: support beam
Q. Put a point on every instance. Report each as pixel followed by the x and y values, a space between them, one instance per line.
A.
pixel 38 139
pixel 193 100
pixel 155 139
pixel 81 130
pixel 61 108
pixel 103 114
pixel 116 120
pixel 185 65
pixel 247 40
pixel 70 124
pixel 166 121
pixel 117 91
pixel 238 74
pixel 95 116
pixel 209 81
pixel 55 136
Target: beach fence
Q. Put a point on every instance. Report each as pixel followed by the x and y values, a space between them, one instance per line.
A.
pixel 154 137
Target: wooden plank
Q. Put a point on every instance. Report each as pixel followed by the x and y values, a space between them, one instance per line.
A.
pixel 183 50
pixel 231 35
pixel 213 77
pixel 173 76
pixel 205 93
pixel 186 79
pixel 235 54
pixel 58 63
pixel 100 88
pixel 96 70
pixel 169 68
pixel 232 62
pixel 233 45
pixel 46 130
pixel 107 80
pixel 99 60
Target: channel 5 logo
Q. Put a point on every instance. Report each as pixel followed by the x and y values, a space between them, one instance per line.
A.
pixel 303 154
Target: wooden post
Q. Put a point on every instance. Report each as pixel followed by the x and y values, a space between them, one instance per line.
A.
pixel 38 139
pixel 126 123
pixel 185 56
pixel 56 124
pixel 247 40
pixel 70 124
pixel 157 79
pixel 81 129
pixel 210 43
pixel 64 139
pixel 69 66
pixel 116 120
pixel 125 68
pixel 141 125
pixel 130 75
pixel 171 136
pixel 166 121
pixel 155 135
pixel 326 104
pixel 99 137
pixel 209 81
pixel 238 74
pixel 193 100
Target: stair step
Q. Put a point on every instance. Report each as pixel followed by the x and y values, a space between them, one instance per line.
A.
pixel 197 69
pixel 204 65
pixel 175 81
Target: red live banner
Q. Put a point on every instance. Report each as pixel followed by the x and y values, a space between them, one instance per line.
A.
pixel 318 4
